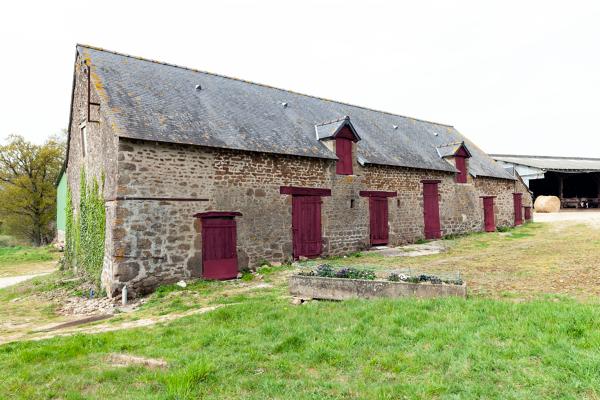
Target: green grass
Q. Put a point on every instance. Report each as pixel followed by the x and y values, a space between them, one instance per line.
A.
pixel 22 260
pixel 266 348
pixel 529 261
pixel 521 334
pixel 26 254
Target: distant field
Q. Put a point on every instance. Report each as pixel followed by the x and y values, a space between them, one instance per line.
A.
pixel 22 260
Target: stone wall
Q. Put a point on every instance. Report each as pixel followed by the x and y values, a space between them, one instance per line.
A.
pixel 153 240
pixel 100 161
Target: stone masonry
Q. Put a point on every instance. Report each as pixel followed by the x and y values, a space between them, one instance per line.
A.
pixel 151 240
pixel 159 241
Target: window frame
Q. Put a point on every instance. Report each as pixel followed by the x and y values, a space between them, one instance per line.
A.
pixel 84 139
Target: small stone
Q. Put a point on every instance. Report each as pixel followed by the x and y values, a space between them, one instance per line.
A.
pixel 296 301
pixel 302 258
pixel 181 284
pixel 276 264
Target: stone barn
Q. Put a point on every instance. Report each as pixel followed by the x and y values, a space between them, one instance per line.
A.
pixel 206 175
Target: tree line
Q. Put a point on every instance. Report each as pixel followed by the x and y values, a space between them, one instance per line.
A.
pixel 28 177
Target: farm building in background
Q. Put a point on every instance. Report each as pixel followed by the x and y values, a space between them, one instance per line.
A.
pixel 61 203
pixel 207 175
pixel 576 181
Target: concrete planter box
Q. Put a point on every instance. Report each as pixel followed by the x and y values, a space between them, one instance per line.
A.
pixel 315 287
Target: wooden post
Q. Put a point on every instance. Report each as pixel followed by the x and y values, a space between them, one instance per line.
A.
pixel 560 188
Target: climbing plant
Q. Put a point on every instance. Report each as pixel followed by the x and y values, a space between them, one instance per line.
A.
pixel 84 236
pixel 69 257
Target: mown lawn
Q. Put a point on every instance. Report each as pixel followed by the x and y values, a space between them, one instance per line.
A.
pixel 266 348
pixel 530 330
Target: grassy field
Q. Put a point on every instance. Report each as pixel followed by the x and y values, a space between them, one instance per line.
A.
pixel 509 340
pixel 23 260
pixel 524 263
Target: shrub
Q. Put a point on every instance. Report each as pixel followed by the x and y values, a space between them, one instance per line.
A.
pixel 394 277
pixel 325 271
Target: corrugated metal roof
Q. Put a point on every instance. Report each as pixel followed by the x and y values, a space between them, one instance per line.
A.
pixel 150 100
pixel 549 163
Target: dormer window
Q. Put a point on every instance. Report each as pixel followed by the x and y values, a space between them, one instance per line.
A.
pixel 341 134
pixel 460 154
pixel 343 151
pixel 460 160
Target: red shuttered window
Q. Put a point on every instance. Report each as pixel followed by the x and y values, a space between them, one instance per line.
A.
pixel 343 150
pixel 461 166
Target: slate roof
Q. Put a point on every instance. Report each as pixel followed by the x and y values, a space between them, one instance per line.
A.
pixel 549 163
pixel 150 100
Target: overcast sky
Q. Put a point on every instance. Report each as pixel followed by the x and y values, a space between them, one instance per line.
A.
pixel 514 76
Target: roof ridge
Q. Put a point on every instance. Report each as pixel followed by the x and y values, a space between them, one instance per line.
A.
pixel 451 144
pixel 255 83
pixel 344 118
pixel 545 157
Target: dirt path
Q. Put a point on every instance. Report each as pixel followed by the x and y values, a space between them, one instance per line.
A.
pixel 590 217
pixel 107 327
pixel 13 280
pixel 27 268
pixel 75 324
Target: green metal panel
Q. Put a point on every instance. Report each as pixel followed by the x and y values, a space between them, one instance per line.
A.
pixel 61 203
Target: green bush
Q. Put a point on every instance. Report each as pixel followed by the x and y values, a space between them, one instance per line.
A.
pixel 8 241
pixel 327 271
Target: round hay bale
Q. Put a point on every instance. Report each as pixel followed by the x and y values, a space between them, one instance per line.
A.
pixel 547 204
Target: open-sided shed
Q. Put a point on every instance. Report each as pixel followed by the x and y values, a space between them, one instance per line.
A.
pixel 576 181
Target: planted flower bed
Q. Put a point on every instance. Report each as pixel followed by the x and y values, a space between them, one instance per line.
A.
pixel 326 282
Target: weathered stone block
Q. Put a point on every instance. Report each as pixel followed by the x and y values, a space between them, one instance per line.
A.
pixel 312 287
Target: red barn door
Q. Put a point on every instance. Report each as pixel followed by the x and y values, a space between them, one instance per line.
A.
pixel 219 248
pixel 431 210
pixel 306 226
pixel 518 203
pixel 378 217
pixel 527 213
pixel 488 214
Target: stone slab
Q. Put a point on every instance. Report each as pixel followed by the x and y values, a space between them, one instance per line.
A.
pixel 313 287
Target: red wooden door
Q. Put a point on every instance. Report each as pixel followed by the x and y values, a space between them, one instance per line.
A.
pixel 431 210
pixel 378 217
pixel 518 208
pixel 488 214
pixel 527 213
pixel 306 226
pixel 219 248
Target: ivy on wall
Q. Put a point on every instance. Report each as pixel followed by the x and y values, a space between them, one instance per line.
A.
pixel 84 232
